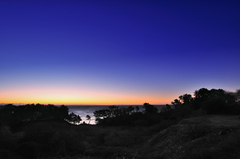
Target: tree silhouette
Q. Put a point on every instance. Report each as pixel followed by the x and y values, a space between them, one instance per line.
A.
pixel 75 118
pixel 168 107
pixel 176 102
pixel 150 109
pixel 186 98
pixel 214 100
pixel 88 118
pixel 137 108
pixel 129 110
pixel 237 96
pixel 201 94
pixel 101 114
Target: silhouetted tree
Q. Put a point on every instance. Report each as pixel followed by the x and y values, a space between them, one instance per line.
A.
pixel 101 114
pixel 129 110
pixel 214 100
pixel 237 96
pixel 113 111
pixel 137 108
pixel 176 102
pixel 202 93
pixel 186 98
pixel 74 118
pixel 88 117
pixel 166 108
pixel 150 109
pixel 63 112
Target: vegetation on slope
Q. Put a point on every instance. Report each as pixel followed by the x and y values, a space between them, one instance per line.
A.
pixel 193 127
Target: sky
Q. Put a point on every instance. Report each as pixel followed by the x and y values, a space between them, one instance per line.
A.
pixel 116 52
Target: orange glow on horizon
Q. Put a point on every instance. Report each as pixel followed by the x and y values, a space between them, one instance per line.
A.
pixel 73 97
pixel 83 102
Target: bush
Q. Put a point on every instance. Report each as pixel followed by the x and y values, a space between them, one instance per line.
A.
pixel 29 150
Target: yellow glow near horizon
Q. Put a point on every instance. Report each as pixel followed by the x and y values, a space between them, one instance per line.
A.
pixel 73 97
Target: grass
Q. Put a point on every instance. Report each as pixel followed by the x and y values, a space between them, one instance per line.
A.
pixel 197 137
pixel 54 140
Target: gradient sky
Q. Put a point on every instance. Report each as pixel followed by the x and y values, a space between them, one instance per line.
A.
pixel 116 52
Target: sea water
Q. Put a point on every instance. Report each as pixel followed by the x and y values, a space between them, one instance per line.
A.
pixel 84 110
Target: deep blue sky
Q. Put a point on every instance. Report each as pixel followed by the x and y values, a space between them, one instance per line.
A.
pixel 116 52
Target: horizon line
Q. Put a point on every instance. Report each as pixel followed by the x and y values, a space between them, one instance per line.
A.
pixel 79 104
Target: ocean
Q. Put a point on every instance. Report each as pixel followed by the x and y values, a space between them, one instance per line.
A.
pixel 84 110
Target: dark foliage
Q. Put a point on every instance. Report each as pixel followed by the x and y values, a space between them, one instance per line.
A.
pixel 214 101
pixel 15 116
pixel 41 131
pixel 121 116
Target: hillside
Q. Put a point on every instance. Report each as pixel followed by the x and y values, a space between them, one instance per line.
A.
pixel 212 136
